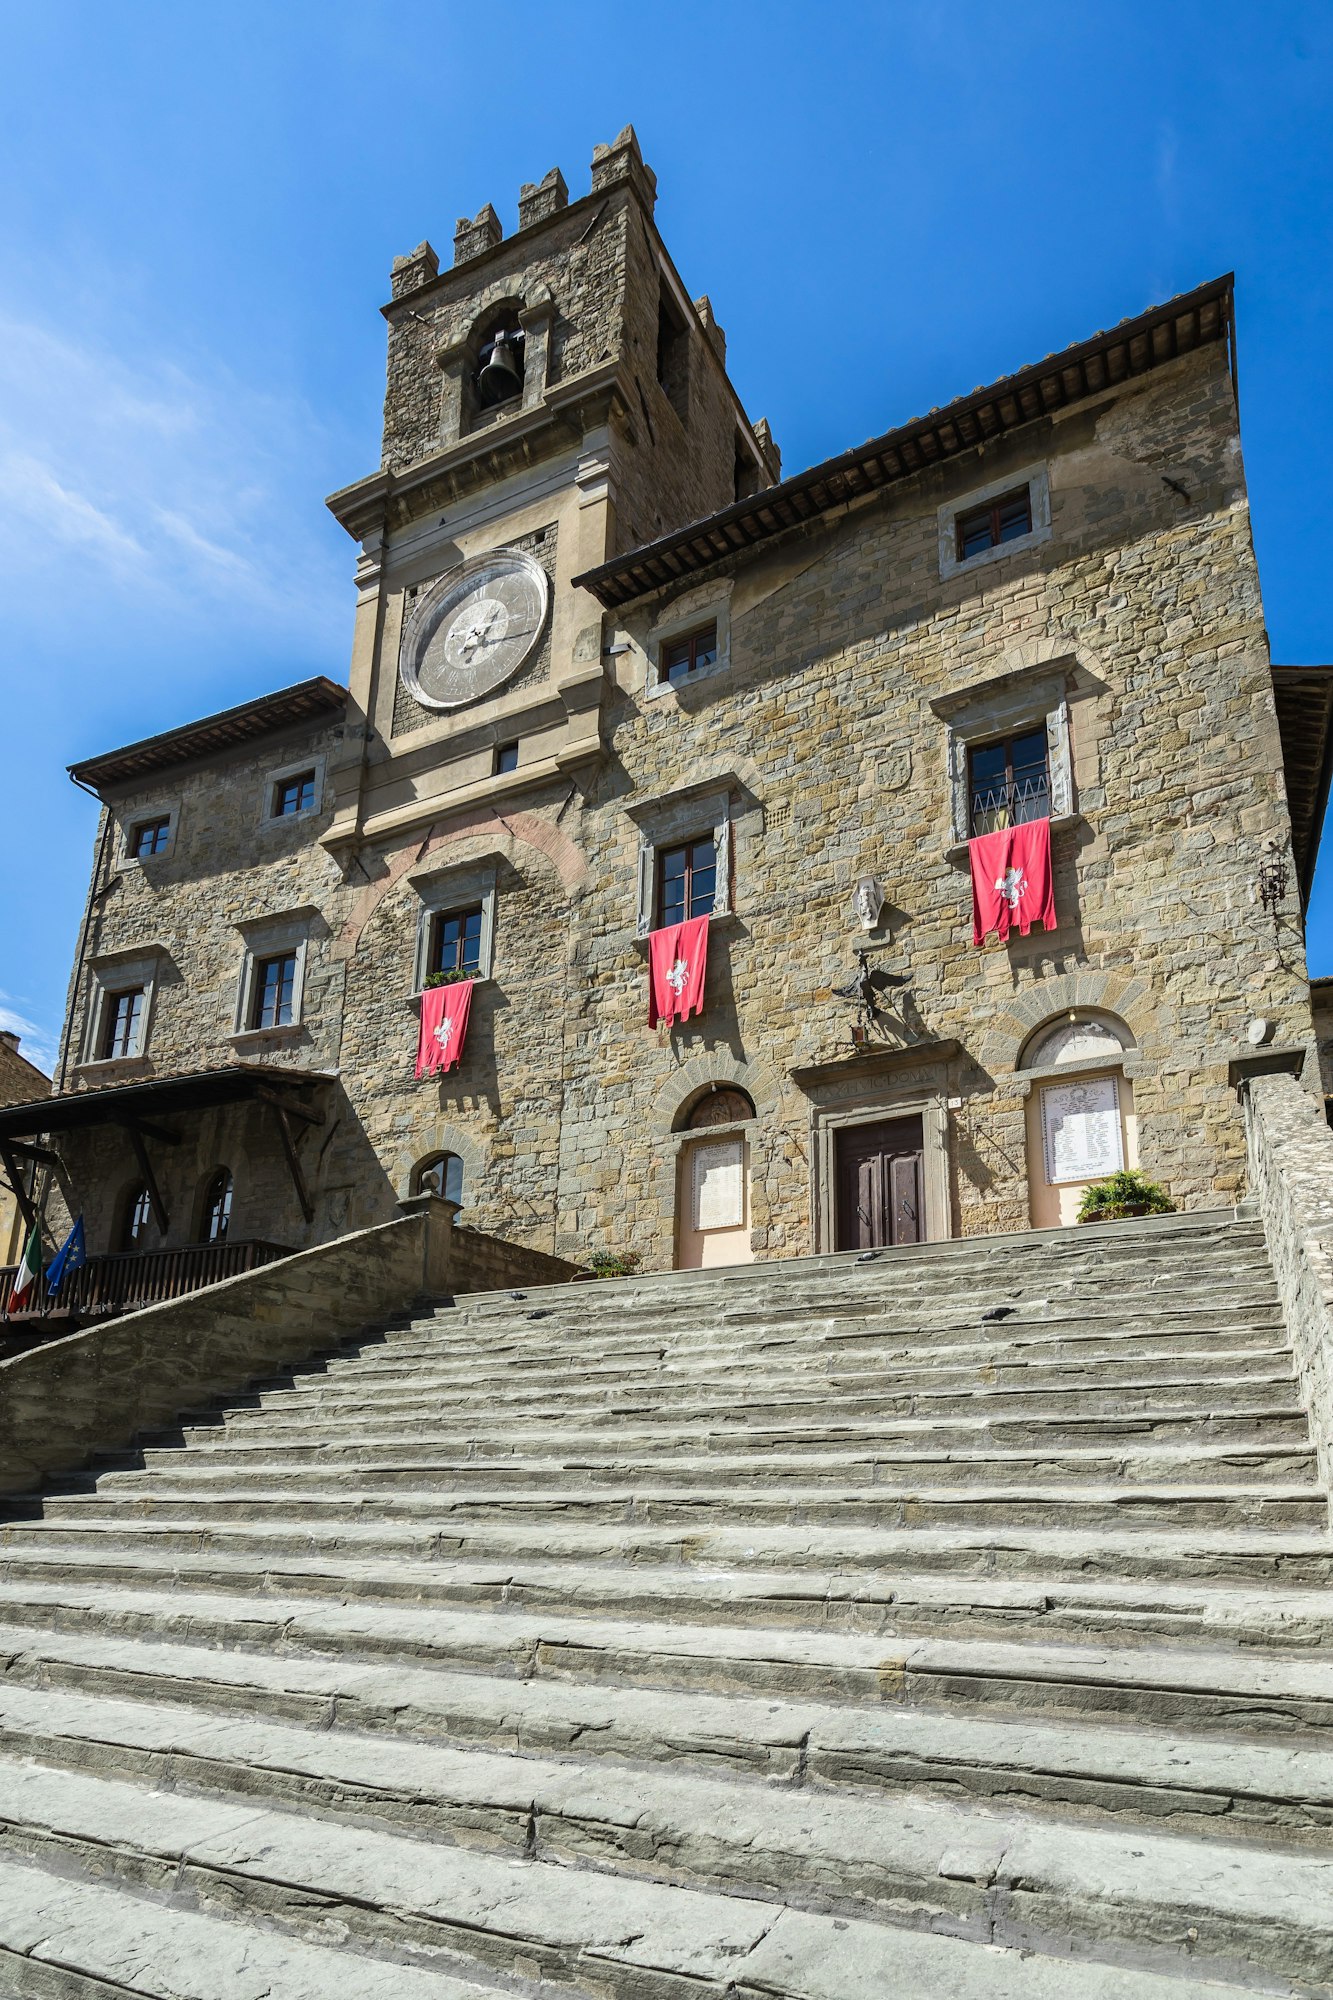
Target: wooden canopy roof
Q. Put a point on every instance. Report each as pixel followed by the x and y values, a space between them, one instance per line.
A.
pixel 1304 698
pixel 1133 348
pixel 153 1097
pixel 305 702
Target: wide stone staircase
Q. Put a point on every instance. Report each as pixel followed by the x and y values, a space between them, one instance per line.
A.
pixel 953 1622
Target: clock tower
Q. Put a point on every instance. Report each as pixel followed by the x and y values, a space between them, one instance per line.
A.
pixel 554 398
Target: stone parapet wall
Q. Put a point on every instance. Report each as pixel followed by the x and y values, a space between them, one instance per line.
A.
pixel 1291 1171
pixel 99 1388
pixel 479 1263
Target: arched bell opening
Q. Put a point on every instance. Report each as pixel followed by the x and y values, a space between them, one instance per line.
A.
pixel 498 377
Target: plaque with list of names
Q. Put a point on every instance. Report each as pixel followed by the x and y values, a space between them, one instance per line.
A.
pixel 1081 1132
pixel 717 1184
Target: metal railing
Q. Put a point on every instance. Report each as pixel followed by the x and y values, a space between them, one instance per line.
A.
pixel 998 806
pixel 122 1283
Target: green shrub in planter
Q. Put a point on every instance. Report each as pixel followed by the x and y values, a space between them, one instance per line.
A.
pixel 613 1263
pixel 1125 1193
pixel 446 978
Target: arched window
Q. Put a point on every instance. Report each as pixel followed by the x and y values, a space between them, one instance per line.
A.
pixel 727 1106
pixel 136 1215
pixel 216 1218
pixel 441 1174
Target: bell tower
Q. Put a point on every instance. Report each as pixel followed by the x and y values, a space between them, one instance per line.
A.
pixel 552 398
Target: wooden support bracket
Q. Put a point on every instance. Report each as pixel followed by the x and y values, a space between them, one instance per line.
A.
pixel 293 1164
pixel 15 1179
pixel 159 1207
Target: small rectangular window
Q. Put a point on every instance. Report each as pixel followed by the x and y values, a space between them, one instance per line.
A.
pixel 149 837
pixel 506 758
pixel 294 795
pixel 122 1021
pixel 1008 782
pixel 1001 520
pixel 455 942
pixel 689 654
pixel 273 995
pixel 686 881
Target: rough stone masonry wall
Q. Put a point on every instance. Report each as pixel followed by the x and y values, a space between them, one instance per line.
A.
pixel 839 644
pixel 95 1390
pixel 1291 1170
pixel 823 730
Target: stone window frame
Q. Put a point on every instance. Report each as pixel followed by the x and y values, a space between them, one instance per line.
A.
pixel 686 616
pixel 1038 482
pixel 1010 703
pixel 115 973
pixel 279 776
pixel 459 886
pixel 128 823
pixel 265 938
pixel 667 822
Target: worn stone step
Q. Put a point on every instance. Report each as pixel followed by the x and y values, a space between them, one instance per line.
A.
pixel 670 1388
pixel 370 1565
pixel 171 1951
pixel 1204 1690
pixel 536 1334
pixel 817 1348
pixel 420 1467
pixel 890 1503
pixel 1279 1789
pixel 1284 1423
pixel 278 1414
pixel 1258 1557
pixel 65 1935
pixel 617 1811
pixel 991 1877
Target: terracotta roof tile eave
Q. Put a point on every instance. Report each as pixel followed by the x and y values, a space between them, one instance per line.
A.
pixel 1030 393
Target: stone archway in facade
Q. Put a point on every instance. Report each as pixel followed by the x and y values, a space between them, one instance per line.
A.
pixel 714 1120
pixel 1081 1123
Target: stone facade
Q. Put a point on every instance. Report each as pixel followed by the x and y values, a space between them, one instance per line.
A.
pixel 855 665
pixel 20 1081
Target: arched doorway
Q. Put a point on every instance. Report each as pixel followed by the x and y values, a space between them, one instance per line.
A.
pixel 713 1182
pixel 1081 1123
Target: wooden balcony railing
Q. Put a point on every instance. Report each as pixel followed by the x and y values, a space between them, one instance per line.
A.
pixel 108 1285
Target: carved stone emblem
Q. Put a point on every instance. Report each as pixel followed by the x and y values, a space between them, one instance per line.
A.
pixel 867 902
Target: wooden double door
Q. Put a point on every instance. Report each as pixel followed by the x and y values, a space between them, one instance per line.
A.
pixel 880 1192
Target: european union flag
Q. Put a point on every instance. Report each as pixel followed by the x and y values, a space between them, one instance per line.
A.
pixel 72 1252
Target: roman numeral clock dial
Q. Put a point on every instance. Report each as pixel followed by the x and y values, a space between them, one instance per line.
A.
pixel 473 629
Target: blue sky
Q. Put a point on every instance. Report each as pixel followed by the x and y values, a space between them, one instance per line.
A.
pixel 888 205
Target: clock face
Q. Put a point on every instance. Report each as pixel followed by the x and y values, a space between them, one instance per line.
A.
pixel 473 629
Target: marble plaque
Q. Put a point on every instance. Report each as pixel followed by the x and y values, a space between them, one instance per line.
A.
pixel 717 1184
pixel 1081 1133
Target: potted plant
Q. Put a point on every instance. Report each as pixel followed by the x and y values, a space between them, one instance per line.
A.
pixel 446 978
pixel 613 1263
pixel 1126 1193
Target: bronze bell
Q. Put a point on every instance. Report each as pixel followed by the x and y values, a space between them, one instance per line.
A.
pixel 502 375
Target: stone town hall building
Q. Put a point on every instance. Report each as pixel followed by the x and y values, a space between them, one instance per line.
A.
pixel 610 669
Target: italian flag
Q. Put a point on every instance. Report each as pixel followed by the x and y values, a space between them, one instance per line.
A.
pixel 28 1274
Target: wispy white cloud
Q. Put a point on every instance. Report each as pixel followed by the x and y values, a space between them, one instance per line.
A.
pixel 37 1044
pixel 175 488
